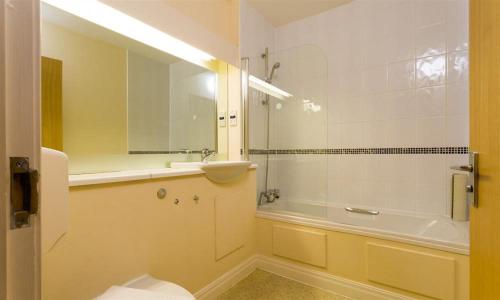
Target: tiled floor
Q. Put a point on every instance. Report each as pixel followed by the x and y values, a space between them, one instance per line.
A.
pixel 262 285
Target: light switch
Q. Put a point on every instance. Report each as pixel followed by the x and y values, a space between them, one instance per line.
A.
pixel 222 119
pixel 233 118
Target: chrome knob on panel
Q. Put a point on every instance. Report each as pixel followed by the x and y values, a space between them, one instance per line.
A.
pixel 161 193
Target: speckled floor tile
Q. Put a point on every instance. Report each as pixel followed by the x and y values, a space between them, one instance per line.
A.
pixel 262 285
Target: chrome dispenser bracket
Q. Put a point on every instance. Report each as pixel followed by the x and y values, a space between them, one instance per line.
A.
pixel 473 178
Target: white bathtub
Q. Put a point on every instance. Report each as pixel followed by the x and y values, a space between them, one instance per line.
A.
pixel 429 231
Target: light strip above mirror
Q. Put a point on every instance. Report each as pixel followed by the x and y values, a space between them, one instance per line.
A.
pixel 119 22
pixel 267 88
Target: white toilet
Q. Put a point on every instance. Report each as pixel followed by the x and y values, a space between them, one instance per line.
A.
pixel 147 288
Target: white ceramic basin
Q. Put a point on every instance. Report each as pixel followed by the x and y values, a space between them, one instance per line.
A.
pixel 217 171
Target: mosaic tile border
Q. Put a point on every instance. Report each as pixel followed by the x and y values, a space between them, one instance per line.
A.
pixel 366 151
pixel 168 152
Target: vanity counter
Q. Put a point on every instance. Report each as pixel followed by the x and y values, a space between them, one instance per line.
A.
pixel 132 175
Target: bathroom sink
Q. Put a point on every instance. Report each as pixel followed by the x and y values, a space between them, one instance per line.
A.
pixel 217 171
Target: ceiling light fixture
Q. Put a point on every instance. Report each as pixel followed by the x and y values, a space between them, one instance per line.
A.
pixel 119 22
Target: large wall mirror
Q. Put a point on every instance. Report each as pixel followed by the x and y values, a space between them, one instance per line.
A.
pixel 107 97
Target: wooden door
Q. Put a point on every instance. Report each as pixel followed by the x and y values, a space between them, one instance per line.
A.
pixel 52 126
pixel 19 137
pixel 485 139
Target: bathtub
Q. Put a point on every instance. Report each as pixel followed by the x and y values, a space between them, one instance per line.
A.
pixel 436 232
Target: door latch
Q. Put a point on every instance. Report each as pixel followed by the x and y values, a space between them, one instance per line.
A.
pixel 23 192
pixel 473 178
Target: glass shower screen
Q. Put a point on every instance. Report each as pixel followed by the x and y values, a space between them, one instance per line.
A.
pixel 287 130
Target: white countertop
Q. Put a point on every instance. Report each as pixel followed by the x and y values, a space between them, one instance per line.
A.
pixel 132 175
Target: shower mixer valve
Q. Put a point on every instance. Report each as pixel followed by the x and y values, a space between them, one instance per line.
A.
pixel 269 196
pixel 275 193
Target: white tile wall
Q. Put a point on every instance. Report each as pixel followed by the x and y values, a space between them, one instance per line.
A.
pixel 302 173
pixel 431 101
pixel 430 40
pixel 259 34
pixel 395 75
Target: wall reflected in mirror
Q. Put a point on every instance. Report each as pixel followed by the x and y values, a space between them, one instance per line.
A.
pixel 112 103
pixel 171 107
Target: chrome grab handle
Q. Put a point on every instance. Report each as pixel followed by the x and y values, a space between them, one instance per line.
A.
pixel 362 211
pixel 468 168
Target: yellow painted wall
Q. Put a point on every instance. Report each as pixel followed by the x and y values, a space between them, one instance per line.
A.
pixel 178 20
pixel 347 257
pixel 222 104
pixel 219 16
pixel 120 231
pixel 94 91
pixel 235 133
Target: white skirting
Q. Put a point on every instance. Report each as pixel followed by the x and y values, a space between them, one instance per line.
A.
pixel 315 278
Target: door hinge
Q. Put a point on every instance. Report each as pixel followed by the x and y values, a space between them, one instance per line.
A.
pixel 23 192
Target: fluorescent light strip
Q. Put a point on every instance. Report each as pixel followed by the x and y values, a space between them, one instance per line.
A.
pixel 119 22
pixel 268 88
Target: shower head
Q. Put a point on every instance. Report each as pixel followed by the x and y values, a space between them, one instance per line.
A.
pixel 275 66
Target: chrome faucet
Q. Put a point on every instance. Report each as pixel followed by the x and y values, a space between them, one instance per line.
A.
pixel 185 150
pixel 205 154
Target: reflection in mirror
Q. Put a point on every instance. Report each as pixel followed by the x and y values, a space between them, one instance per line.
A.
pixel 112 103
pixel 171 107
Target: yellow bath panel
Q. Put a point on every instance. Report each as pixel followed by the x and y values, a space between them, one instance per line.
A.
pixel 422 273
pixel 307 246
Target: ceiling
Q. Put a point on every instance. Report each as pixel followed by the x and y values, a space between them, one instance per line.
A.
pixel 281 12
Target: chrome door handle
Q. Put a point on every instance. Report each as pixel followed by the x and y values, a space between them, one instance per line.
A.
pixel 473 178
